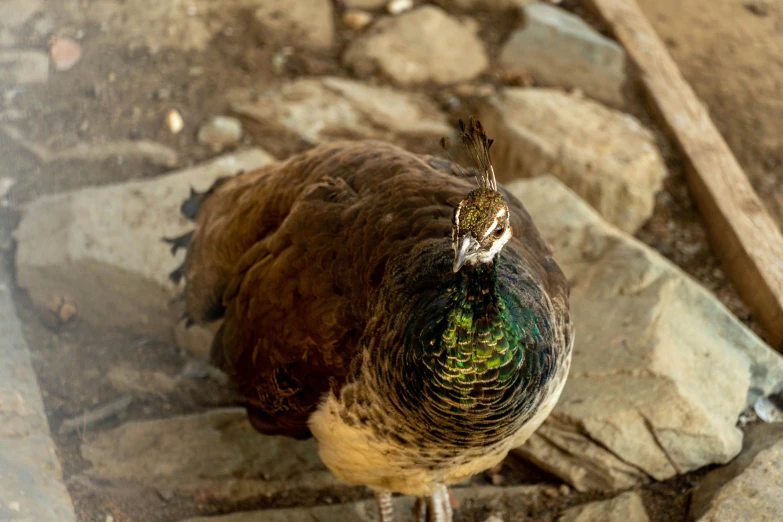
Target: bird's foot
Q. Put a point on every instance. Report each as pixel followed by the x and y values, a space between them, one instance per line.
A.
pixel 435 508
pixel 385 506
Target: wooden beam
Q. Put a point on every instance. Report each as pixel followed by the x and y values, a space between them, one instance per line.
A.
pixel 746 239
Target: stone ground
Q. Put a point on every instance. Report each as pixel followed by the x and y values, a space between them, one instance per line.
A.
pixel 88 93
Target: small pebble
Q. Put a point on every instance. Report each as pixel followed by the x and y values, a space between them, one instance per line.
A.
pixel 769 410
pixel 163 94
pixel 493 518
pixel 398 6
pixel 109 518
pixel 15 506
pixel 220 132
pixel 174 122
pixel 280 59
pixel 65 53
pixel 356 19
pixel 564 489
pixel 67 312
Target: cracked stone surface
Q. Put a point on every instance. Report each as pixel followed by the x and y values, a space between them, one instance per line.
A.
pixel 661 369
pixel 751 487
pixel 31 485
pixel 605 156
pixel 321 109
pixel 100 248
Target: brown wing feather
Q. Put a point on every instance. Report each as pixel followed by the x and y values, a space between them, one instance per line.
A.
pixel 292 254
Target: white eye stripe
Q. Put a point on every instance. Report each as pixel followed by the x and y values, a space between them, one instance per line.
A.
pixel 491 228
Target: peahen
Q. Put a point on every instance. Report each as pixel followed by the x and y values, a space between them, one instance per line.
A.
pixel 402 311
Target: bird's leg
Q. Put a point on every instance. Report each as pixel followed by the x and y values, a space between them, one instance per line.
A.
pixel 385 507
pixel 448 511
pixel 420 510
pixel 435 508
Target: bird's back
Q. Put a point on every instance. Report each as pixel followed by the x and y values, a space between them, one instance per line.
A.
pixel 294 257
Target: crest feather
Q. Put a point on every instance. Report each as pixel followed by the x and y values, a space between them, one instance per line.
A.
pixel 477 146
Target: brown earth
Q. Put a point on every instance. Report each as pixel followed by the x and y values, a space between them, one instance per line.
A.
pixel 731 51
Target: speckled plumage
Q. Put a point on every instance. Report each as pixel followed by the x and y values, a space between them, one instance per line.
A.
pixel 344 317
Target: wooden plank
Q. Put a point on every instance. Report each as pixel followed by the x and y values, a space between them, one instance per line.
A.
pixel 746 239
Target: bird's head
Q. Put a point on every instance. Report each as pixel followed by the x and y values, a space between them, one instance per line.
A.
pixel 480 227
pixel 481 223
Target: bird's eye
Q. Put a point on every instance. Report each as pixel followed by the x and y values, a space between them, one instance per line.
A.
pixel 499 231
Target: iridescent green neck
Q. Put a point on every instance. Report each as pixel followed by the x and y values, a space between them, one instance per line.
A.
pixel 477 351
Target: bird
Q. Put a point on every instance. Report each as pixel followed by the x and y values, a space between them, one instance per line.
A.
pixel 400 309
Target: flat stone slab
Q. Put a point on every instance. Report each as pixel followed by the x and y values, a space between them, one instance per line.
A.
pixel 217 453
pixel 31 487
pixel 307 23
pixel 607 157
pixel 405 48
pixel 751 487
pixel 100 248
pixel 365 511
pixel 562 50
pixel 329 108
pixel 661 369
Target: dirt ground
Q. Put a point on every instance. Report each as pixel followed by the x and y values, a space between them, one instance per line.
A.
pixel 730 50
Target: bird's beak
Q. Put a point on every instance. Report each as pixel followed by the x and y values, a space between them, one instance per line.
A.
pixel 467 244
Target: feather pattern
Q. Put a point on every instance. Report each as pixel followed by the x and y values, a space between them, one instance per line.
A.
pixel 332 274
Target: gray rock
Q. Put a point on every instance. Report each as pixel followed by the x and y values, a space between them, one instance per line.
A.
pixel 626 507
pixel 14 13
pixel 751 487
pixel 561 50
pixel 605 156
pixel 308 23
pixel 23 67
pixel 513 499
pixel 101 247
pixel 217 452
pixel 405 48
pixel 321 109
pixel 661 369
pixel 31 485
pixel 220 132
